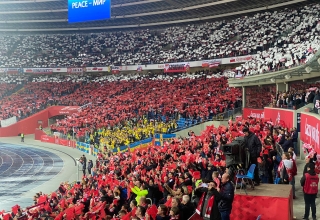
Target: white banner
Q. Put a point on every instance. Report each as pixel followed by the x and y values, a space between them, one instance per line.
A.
pixel 38 70
pixel 192 64
pixel 75 70
pixel 9 121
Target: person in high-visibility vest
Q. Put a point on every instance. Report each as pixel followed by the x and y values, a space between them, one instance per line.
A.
pixel 22 137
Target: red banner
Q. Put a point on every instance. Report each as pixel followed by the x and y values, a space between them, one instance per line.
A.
pixel 280 116
pixel 211 63
pixel 176 67
pixel 56 140
pixel 248 207
pixel 115 69
pixel 241 59
pixel 67 143
pixel 254 113
pixel 63 110
pixel 48 139
pixel 309 130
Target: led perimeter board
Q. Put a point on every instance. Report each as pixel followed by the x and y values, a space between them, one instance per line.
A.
pixel 88 10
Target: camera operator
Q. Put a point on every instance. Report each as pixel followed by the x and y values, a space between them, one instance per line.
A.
pixel 253 147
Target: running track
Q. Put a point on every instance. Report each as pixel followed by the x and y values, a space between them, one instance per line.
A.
pixel 22 169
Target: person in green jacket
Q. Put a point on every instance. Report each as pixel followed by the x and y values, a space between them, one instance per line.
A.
pixel 139 192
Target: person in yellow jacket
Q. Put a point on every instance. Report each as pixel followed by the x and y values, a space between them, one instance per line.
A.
pixel 22 137
pixel 139 192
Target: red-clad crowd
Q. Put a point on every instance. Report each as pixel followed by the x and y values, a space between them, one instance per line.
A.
pixel 186 177
pixel 113 103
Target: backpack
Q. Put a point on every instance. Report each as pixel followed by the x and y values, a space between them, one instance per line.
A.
pixel 285 176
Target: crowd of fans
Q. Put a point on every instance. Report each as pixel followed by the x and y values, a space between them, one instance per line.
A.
pixel 285 38
pixel 124 111
pixel 174 181
pixel 121 109
pixel 293 48
pixel 299 95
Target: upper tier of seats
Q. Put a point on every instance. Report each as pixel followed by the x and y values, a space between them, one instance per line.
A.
pixel 285 38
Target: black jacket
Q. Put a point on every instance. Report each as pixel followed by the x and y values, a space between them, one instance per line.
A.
pixel 286 145
pixel 215 214
pixel 186 211
pixel 282 139
pixel 227 195
pixel 253 144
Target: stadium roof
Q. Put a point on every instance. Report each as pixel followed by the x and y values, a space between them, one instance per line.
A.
pixel 52 15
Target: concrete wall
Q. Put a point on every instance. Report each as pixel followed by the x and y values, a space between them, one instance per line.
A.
pixel 198 128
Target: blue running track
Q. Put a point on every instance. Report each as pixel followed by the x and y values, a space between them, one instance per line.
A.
pixel 21 170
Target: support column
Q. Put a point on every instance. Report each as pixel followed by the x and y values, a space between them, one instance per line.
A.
pixel 287 87
pixel 281 87
pixel 243 97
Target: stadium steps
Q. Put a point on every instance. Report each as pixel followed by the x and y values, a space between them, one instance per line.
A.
pixel 14 47
pixel 47 130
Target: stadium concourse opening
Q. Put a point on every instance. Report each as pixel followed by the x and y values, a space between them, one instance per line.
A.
pixel 142 108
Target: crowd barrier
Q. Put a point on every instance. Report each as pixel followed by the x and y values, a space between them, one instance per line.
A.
pixel 158 140
pixel 57 140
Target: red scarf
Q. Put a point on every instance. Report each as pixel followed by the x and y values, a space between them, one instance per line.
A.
pixel 204 165
pixel 208 208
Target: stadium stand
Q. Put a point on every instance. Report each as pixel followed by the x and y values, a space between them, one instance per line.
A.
pixel 290 40
pixel 118 109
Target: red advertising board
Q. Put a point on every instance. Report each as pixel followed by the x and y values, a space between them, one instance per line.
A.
pixel 62 110
pixel 241 59
pixel 309 130
pixel 67 143
pixel 48 139
pixel 211 63
pixel 280 116
pixel 254 113
pixel 56 140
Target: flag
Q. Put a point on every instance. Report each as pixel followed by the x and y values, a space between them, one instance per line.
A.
pixel 195 216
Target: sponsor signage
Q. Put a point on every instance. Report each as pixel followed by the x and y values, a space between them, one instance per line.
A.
pixel 96 69
pixel 309 130
pixel 63 110
pixel 241 59
pixel 75 70
pixel 280 116
pixel 176 67
pixel 116 69
pixel 254 113
pixel 13 71
pixel 211 63
pixel 38 70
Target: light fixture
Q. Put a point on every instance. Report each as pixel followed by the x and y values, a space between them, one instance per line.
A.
pixel 272 80
pixel 308 69
pixel 288 76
